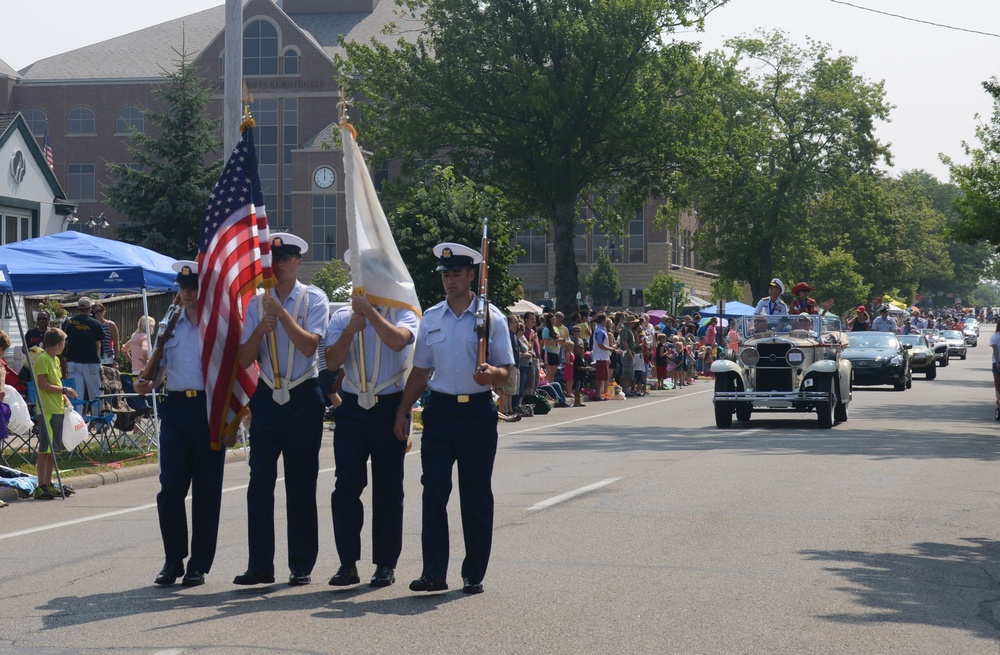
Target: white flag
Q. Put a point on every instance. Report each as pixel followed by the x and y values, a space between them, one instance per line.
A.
pixel 377 269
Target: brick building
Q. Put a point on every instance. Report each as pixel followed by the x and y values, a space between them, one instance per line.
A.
pixel 88 99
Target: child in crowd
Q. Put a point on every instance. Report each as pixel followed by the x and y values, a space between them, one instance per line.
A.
pixel 661 360
pixel 580 370
pixel 53 400
pixel 707 357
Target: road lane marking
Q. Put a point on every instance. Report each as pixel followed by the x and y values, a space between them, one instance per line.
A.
pixel 572 494
pixel 129 510
pixel 748 432
pixel 603 414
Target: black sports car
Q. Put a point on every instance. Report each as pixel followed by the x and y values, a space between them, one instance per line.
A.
pixel 879 358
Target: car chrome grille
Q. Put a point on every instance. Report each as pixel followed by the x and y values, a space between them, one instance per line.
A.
pixel 773 371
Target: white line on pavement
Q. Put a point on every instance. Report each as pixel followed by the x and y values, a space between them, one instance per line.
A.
pixel 572 494
pixel 129 510
pixel 602 414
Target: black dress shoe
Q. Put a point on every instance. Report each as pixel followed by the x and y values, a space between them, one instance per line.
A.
pixel 193 579
pixel 299 579
pixel 384 576
pixel 345 576
pixel 169 574
pixel 426 583
pixel 469 587
pixel 254 576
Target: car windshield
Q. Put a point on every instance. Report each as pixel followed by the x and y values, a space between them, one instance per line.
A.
pixel 801 325
pixel 952 334
pixel 970 321
pixel 912 339
pixel 872 340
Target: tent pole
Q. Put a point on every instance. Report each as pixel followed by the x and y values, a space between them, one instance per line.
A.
pixel 156 417
pixel 40 417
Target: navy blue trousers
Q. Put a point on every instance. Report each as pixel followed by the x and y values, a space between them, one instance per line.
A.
pixel 294 431
pixel 361 433
pixel 466 434
pixel 188 461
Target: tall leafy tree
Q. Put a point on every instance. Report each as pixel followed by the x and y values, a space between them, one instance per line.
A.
pixel 799 122
pixel 602 283
pixel 979 180
pixel 447 207
pixel 164 197
pixel 553 102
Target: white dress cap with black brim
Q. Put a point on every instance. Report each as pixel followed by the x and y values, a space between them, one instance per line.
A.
pixel 285 244
pixel 452 256
pixel 187 272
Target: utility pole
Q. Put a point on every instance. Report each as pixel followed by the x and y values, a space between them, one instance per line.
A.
pixel 232 86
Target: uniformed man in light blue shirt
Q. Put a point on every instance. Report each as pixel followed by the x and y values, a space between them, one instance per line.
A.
pixel 460 419
pixel 187 459
pixel 287 413
pixel 371 391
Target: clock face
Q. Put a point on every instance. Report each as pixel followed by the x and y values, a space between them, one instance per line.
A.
pixel 324 177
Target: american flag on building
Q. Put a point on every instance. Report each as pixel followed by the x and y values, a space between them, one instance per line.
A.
pixel 47 150
pixel 233 259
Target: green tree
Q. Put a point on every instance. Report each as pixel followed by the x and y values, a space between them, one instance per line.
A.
pixel 979 180
pixel 552 102
pixel 335 280
pixel 602 283
pixel 165 197
pixel 723 289
pixel 799 122
pixel 449 207
pixel 665 292
pixel 837 276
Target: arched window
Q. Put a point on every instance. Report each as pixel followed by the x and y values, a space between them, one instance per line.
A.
pixel 36 120
pixel 291 61
pixel 129 117
pixel 260 48
pixel 80 121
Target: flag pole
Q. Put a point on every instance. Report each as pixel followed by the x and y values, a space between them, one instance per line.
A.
pixel 268 282
pixel 363 364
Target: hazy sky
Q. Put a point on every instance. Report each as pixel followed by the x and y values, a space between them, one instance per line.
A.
pixel 932 74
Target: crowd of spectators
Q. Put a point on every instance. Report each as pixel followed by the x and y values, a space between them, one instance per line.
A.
pixel 597 356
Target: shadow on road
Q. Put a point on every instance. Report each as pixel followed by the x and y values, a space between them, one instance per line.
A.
pixel 67 611
pixel 939 584
pixel 977 438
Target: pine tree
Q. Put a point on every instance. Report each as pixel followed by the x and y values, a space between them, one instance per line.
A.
pixel 165 197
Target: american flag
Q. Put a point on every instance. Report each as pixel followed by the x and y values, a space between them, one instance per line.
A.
pixel 234 257
pixel 47 149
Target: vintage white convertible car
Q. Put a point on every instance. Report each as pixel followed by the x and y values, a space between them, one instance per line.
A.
pixel 784 364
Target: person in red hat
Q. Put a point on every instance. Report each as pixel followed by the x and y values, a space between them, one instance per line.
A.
pixel 803 304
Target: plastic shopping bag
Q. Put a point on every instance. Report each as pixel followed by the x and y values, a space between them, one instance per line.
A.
pixel 20 418
pixel 74 429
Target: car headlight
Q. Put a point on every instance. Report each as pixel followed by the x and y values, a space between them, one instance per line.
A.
pixel 795 357
pixel 750 357
pixel 896 361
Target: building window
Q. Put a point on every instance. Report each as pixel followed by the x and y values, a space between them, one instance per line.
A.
pixel 637 239
pixel 127 119
pixel 260 48
pixel 324 225
pixel 80 121
pixel 36 120
pixel 532 242
pixel 15 228
pixel 291 62
pixel 290 141
pixel 580 236
pixel 602 244
pixel 80 182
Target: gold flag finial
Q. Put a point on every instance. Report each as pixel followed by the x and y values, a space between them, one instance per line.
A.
pixel 248 120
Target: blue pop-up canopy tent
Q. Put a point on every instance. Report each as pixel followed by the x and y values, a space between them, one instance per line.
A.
pixel 734 308
pixel 73 262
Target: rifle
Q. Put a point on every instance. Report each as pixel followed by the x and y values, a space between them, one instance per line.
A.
pixel 166 329
pixel 483 307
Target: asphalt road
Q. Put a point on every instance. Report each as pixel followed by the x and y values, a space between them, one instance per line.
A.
pixel 622 527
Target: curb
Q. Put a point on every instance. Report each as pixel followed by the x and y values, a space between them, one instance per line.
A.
pixel 111 476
